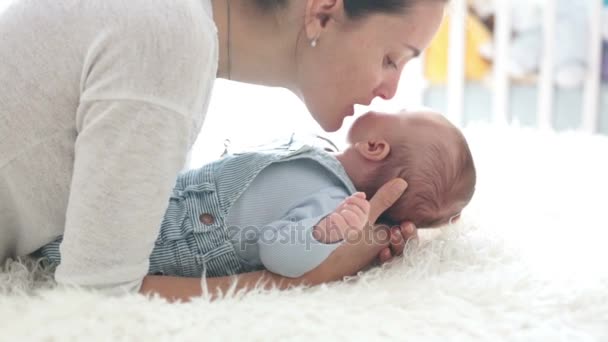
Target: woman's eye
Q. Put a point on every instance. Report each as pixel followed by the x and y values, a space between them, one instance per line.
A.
pixel 389 62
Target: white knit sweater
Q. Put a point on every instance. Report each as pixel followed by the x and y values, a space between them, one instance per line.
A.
pixel 100 102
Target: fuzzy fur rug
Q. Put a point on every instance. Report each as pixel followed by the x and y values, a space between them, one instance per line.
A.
pixel 528 262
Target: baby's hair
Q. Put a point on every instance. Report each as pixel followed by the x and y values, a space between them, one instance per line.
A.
pixel 441 178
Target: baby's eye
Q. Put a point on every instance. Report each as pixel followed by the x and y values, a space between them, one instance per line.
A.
pixel 389 62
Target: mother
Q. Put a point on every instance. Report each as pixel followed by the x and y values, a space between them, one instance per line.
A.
pixel 102 100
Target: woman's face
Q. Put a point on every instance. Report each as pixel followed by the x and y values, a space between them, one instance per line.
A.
pixel 357 61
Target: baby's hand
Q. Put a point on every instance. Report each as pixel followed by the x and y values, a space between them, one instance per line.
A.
pixel 353 213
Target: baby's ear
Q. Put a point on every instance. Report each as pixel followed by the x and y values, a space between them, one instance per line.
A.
pixel 374 149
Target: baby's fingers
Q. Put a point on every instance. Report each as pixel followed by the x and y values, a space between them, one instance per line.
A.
pixel 358 201
pixel 337 227
pixel 353 219
pixel 361 215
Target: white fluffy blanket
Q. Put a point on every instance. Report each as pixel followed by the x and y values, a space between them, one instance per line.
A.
pixel 527 262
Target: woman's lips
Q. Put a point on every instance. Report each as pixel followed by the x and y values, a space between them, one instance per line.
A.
pixel 350 111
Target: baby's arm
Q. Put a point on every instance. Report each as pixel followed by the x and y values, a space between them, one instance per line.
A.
pixel 288 247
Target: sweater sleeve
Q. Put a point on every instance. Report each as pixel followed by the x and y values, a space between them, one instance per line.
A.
pixel 288 247
pixel 145 87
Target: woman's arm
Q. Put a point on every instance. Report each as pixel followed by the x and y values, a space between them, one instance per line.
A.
pixel 184 289
pixel 138 114
pixel 348 259
pixel 345 260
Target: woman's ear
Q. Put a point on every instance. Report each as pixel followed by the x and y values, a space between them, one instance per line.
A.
pixel 318 13
pixel 373 149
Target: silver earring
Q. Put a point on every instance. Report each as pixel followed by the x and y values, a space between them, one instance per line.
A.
pixel 313 43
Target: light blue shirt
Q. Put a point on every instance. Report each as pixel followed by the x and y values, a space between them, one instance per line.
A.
pixel 274 217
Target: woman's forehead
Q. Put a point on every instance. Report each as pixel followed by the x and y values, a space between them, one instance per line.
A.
pixel 413 29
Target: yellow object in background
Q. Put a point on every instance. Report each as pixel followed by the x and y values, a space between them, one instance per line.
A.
pixel 436 57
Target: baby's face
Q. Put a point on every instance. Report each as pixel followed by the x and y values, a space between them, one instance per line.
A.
pixel 369 125
pixel 394 127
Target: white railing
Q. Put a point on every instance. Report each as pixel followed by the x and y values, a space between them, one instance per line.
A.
pixel 456 58
pixel 501 84
pixel 591 106
pixel 502 33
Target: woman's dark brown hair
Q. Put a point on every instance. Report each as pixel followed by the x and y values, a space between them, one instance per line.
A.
pixel 355 9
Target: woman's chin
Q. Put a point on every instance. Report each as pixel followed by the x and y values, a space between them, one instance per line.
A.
pixel 332 129
pixel 332 125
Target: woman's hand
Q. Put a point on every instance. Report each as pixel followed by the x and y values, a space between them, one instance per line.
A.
pixel 362 246
pixel 353 213
pixel 399 237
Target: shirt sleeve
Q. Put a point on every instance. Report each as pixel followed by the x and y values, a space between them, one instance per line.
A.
pixel 287 246
pixel 144 88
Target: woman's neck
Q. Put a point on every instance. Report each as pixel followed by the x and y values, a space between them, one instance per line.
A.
pixel 262 45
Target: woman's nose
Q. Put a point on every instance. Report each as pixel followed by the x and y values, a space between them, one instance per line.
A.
pixel 388 87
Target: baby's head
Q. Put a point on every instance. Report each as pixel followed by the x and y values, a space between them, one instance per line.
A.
pixel 423 148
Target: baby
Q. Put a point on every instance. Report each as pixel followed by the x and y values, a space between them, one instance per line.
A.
pixel 287 207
